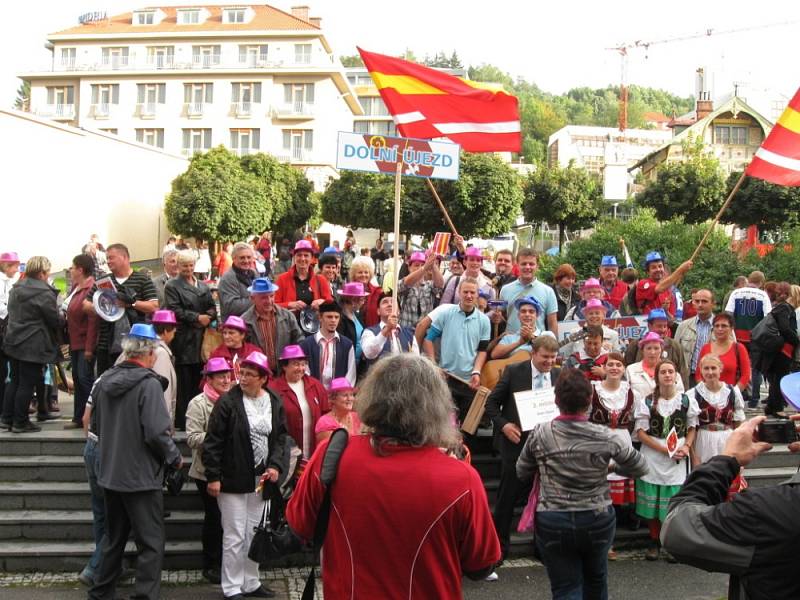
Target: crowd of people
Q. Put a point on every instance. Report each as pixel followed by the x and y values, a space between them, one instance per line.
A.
pixel 258 372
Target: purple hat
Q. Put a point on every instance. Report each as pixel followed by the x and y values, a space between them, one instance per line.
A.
pixel 234 322
pixel 353 288
pixel 594 303
pixel 292 351
pixel 651 336
pixel 164 317
pixel 9 257
pixel 340 384
pixel 417 257
pixel 473 252
pixel 303 246
pixel 592 282
pixel 217 365
pixel 257 360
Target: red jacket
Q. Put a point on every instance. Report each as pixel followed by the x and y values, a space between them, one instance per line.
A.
pixel 320 288
pixel 370 310
pixel 617 294
pixel 81 327
pixel 317 399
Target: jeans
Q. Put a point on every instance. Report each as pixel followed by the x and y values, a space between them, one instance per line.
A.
pixel 753 391
pixel 25 376
pixel 91 459
pixel 82 378
pixel 574 548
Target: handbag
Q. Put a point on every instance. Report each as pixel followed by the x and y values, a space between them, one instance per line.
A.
pixel 527 521
pixel 212 339
pixel 262 547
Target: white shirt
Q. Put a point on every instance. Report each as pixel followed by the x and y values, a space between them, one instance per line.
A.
pixel 545 379
pixel 372 345
pixel 305 410
pixel 327 368
pixel 719 399
pixel 642 383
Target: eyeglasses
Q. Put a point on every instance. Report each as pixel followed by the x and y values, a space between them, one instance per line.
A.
pixel 243 374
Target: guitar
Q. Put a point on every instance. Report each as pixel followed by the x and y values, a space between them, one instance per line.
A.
pixel 493 369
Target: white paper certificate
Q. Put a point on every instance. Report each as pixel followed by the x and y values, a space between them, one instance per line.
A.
pixel 535 406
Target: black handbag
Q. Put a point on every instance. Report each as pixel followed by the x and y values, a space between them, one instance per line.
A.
pixel 273 540
pixel 262 546
pixel 173 480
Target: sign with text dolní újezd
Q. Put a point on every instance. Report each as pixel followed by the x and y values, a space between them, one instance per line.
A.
pixel 380 154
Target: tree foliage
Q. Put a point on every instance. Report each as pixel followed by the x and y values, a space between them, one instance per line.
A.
pixel 303 204
pixel 484 201
pixel 23 99
pixel 762 203
pixel 351 60
pixel 693 188
pixel 216 199
pixel 570 197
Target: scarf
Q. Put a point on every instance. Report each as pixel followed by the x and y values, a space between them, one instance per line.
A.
pixel 211 393
pixel 244 277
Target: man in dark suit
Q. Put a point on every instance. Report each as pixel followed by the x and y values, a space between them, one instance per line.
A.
pixel 509 437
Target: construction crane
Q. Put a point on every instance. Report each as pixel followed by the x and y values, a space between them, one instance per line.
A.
pixel 623 49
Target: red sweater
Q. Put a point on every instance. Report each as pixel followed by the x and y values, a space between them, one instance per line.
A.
pixel 729 365
pixel 317 399
pixel 320 288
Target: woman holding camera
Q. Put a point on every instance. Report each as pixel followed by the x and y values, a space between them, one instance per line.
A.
pixel 244 445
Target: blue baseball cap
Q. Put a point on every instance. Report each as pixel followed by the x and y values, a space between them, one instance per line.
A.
pixel 530 301
pixel 609 261
pixel 262 285
pixel 653 256
pixel 657 313
pixel 144 331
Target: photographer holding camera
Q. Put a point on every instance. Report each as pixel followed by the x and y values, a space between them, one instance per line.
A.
pixel 754 536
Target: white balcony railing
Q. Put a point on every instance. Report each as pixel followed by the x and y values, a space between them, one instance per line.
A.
pixel 195 109
pixel 298 108
pixel 101 110
pixel 161 62
pixel 146 110
pixel 295 155
pixel 115 63
pixel 206 61
pixel 58 111
pixel 242 109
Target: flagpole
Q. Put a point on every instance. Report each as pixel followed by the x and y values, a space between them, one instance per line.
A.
pixel 396 246
pixel 719 214
pixel 441 207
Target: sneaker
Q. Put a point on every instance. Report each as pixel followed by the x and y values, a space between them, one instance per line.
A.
pixel 5 424
pixel 25 428
pixel 260 592
pixel 492 576
pixel 612 554
pixel 86 578
pixel 652 552
pixel 48 416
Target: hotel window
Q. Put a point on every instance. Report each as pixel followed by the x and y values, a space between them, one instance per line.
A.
pixel 298 97
pixel 302 54
pixel 68 58
pixel 196 140
pixel 115 57
pixel 245 141
pixel 246 92
pixel 112 130
pixel 151 137
pixel 373 105
pixel 724 134
pixel 148 95
pixel 160 56
pixel 205 56
pixel 103 97
pixel 298 143
pixel 62 100
pixel 189 17
pixel 253 55
pixel 144 18
pixel 195 95
pixel 233 15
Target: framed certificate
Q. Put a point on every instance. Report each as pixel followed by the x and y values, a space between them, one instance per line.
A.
pixel 535 406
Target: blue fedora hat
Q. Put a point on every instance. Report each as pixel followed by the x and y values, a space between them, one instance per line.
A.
pixel 262 285
pixel 609 261
pixel 144 331
pixel 653 256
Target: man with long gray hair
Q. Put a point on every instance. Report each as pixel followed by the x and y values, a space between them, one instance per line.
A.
pixel 132 425
pixel 410 518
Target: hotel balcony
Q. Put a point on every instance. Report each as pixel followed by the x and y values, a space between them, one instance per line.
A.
pixel 101 110
pixel 295 155
pixel 57 111
pixel 242 110
pixel 294 110
pixel 194 110
pixel 146 110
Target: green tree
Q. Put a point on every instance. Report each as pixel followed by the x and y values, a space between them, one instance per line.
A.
pixel 23 100
pixel 216 199
pixel 762 203
pixel 303 205
pixel 692 189
pixel 455 61
pixel 571 198
pixel 351 60
pixel 491 74
pixel 345 200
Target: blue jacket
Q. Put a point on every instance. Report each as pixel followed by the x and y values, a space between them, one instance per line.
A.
pixel 311 348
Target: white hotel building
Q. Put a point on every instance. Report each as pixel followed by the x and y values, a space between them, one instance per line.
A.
pixel 251 77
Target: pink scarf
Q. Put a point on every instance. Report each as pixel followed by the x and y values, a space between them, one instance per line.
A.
pixel 210 393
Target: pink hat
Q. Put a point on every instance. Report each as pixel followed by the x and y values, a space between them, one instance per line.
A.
pixel 257 360
pixel 417 257
pixel 11 257
pixel 473 252
pixel 594 303
pixel 164 317
pixel 292 351
pixel 303 246
pixel 234 322
pixel 340 384
pixel 353 288
pixel 592 282
pixel 217 365
pixel 651 336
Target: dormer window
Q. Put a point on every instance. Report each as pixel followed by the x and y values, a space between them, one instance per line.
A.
pixel 189 16
pixel 234 15
pixel 146 17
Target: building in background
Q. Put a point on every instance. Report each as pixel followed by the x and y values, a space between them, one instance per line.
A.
pixel 188 78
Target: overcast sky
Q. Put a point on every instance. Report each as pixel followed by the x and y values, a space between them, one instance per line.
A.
pixel 555 45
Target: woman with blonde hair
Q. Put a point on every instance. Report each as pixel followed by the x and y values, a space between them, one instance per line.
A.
pixel 363 271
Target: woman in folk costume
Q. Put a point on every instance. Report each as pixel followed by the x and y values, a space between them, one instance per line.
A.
pixel 667 408
pixel 614 404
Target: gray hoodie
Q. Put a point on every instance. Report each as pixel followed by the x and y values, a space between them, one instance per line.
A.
pixel 133 426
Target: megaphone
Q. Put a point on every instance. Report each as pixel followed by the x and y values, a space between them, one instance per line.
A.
pixel 106 307
pixel 309 320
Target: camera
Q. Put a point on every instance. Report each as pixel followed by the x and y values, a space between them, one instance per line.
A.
pixel 777 431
